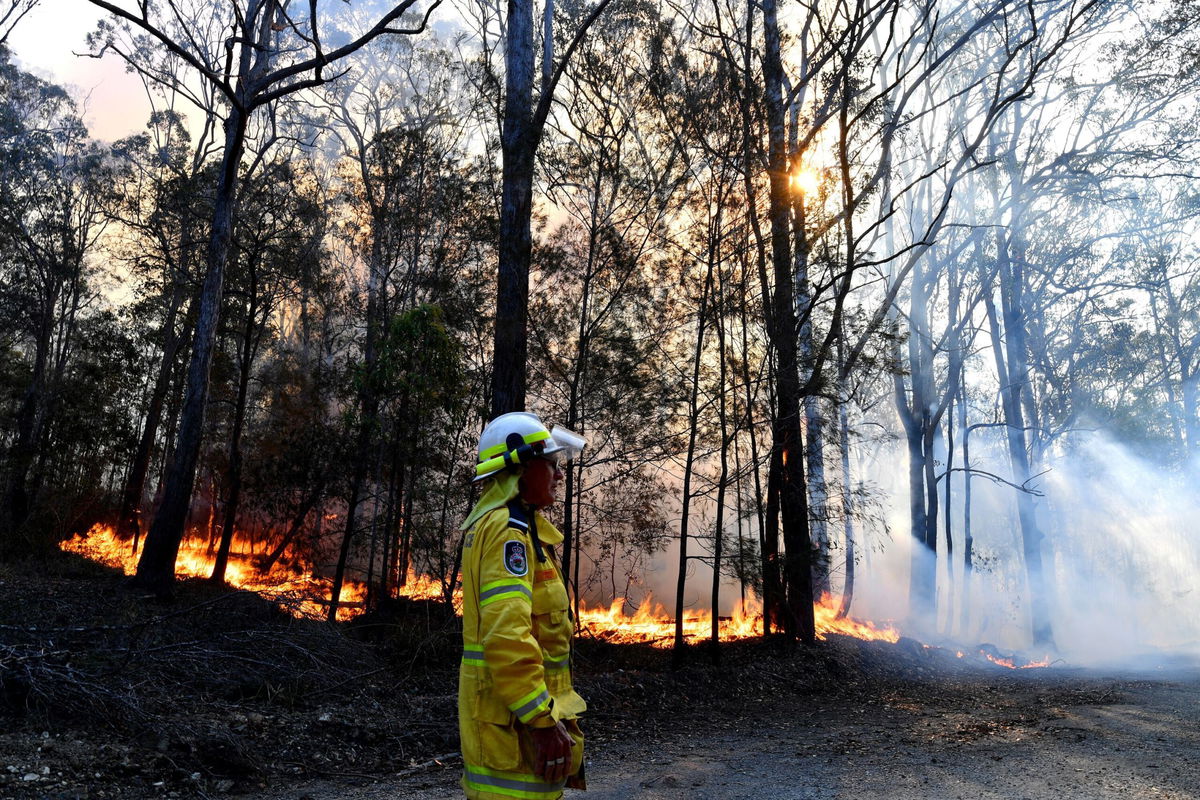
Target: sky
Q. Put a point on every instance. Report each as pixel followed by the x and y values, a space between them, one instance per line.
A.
pixel 112 100
pixel 45 42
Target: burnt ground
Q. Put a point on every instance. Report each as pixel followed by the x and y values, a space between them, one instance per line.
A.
pixel 217 694
pixel 1043 737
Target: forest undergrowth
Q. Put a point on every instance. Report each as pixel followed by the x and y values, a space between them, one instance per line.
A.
pixel 106 693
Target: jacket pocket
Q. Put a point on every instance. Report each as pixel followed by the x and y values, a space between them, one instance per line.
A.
pixel 499 746
pixel 575 778
pixel 550 596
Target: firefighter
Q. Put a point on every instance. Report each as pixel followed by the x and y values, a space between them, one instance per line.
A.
pixel 517 709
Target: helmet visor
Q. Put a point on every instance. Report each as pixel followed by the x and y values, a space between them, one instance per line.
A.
pixel 564 444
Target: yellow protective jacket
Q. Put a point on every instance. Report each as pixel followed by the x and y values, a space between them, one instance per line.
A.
pixel 516 670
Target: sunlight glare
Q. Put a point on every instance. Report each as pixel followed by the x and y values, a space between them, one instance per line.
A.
pixel 806 181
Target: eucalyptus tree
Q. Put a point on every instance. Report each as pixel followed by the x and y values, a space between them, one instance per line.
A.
pixel 982 91
pixel 161 180
pixel 522 127
pixel 418 227
pixel 714 237
pixel 275 245
pixel 254 55
pixel 53 187
pixel 436 252
pixel 866 124
pixel 1060 236
pixel 613 170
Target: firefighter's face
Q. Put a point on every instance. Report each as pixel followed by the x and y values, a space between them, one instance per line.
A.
pixel 539 485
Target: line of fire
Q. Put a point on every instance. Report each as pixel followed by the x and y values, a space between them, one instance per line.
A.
pixel 290 581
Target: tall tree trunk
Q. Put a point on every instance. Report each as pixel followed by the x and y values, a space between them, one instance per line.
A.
pixel 843 395
pixel 814 423
pixel 956 344
pixel 568 522
pixel 368 403
pixel 1191 423
pixel 916 414
pixel 24 449
pixel 797 567
pixel 517 143
pixel 156 568
pixel 404 560
pixel 723 472
pixel 769 549
pixel 1013 384
pixel 234 477
pixel 690 460
pixel 575 411
pixel 129 520
pixel 968 540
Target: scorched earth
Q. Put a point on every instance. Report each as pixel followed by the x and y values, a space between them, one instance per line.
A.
pixel 974 735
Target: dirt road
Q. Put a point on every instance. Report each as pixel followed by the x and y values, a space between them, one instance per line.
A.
pixel 1030 735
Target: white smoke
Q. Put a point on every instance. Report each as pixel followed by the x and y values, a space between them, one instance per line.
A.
pixel 1121 557
pixel 1125 562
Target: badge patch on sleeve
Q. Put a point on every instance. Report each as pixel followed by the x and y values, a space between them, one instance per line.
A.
pixel 515 560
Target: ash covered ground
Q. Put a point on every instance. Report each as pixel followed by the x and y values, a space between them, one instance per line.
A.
pixel 107 695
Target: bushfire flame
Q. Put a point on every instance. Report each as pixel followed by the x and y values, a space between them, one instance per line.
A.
pixel 650 623
pixel 293 585
pixel 1008 662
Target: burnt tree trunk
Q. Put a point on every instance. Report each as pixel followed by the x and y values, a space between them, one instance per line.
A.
pixel 793 502
pixel 769 548
pixel 233 496
pixel 690 462
pixel 21 455
pixel 518 142
pixel 723 474
pixel 129 522
pixel 156 567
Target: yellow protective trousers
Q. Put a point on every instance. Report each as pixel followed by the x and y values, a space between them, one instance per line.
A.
pixel 516 670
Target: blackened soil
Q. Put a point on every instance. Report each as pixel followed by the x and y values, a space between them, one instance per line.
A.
pixel 105 694
pixel 1043 736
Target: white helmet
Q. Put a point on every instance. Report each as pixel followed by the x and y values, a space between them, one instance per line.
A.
pixel 519 436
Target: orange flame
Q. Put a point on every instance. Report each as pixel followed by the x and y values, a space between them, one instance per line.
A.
pixel 650 623
pixel 1008 662
pixel 291 582
pixel 826 613
pixel 293 585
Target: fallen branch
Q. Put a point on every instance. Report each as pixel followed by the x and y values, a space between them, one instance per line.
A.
pixel 436 761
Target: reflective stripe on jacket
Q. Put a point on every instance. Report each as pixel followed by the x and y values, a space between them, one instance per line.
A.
pixel 515 669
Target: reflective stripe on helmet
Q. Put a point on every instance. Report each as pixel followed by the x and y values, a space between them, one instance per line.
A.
pixel 508 458
pixel 492 452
